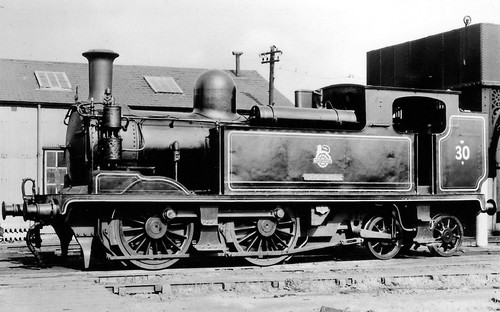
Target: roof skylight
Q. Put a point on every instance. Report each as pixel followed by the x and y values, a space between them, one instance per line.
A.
pixel 52 80
pixel 163 84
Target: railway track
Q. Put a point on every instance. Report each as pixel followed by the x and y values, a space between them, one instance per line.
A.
pixel 21 280
pixel 482 268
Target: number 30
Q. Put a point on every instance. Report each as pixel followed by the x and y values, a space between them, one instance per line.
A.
pixel 463 152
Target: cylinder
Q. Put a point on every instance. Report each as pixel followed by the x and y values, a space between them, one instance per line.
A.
pixel 100 72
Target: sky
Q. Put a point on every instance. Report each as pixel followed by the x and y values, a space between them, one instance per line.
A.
pixel 322 41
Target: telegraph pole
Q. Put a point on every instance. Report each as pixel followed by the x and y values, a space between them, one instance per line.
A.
pixel 271 57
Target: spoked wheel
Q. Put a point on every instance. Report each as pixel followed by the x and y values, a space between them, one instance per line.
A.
pixel 384 249
pixel 264 235
pixel 140 233
pixel 448 232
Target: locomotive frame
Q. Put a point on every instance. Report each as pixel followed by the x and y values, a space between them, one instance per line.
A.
pixel 153 189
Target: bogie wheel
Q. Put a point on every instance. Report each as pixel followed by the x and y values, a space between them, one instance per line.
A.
pixel 265 235
pixel 448 232
pixel 388 248
pixel 146 233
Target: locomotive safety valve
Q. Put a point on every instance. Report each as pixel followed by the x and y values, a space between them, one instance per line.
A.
pixel 169 214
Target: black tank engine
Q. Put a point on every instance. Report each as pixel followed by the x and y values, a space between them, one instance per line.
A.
pixel 384 167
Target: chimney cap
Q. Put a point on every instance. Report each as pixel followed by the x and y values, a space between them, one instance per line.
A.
pixel 101 51
pixel 237 53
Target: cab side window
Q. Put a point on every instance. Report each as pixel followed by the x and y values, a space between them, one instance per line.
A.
pixel 418 114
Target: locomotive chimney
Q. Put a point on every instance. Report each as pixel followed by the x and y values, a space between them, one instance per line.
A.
pixel 100 72
pixel 237 54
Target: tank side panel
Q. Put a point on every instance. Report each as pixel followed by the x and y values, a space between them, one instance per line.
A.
pixel 462 154
pixel 289 161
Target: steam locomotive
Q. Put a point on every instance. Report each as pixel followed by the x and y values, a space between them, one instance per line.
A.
pixel 387 168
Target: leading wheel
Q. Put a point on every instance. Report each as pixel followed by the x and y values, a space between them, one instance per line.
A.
pixel 384 249
pixel 448 232
pixel 264 235
pixel 140 233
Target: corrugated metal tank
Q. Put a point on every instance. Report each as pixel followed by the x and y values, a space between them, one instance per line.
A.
pixel 464 59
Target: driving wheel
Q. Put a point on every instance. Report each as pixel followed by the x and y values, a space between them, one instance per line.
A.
pixel 140 233
pixel 265 235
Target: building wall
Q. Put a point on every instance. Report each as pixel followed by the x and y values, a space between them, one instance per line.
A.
pixel 25 131
pixel 18 149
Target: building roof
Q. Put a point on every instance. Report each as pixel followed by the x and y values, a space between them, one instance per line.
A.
pixel 18 83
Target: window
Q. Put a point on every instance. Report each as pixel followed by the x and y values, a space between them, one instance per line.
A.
pixel 418 114
pixel 348 97
pixel 52 80
pixel 54 168
pixel 163 84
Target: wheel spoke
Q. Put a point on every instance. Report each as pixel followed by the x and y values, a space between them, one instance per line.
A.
pixel 171 242
pixel 147 251
pixel 132 229
pixel 283 233
pixel 259 247
pixel 251 234
pixel 133 239
pixel 140 245
pixel 252 243
pixel 281 241
pixel 245 228
pixel 272 244
pixel 177 235
pixel 128 220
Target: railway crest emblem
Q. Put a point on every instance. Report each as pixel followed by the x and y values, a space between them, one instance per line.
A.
pixel 323 157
